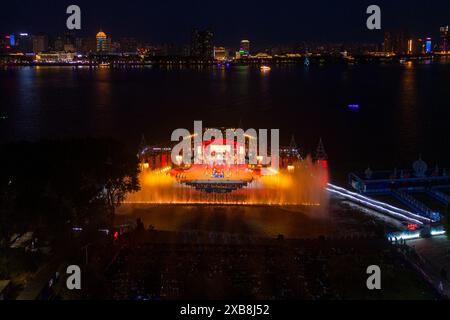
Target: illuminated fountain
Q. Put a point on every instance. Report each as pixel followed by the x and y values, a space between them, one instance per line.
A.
pixel 301 183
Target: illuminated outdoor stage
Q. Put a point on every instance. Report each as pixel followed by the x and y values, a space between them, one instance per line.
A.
pixel 215 179
pixel 302 184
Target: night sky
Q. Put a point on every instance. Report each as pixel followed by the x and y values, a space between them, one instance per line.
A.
pixel 264 22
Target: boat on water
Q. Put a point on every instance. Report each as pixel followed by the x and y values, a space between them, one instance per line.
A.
pixel 265 68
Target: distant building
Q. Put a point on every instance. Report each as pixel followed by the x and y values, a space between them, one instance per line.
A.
pixel 128 45
pixel 244 48
pixel 220 53
pixel 202 44
pixel 164 50
pixel 58 44
pixel 40 42
pixel 14 43
pixel 428 46
pixel 25 42
pixel 79 44
pixel 411 47
pixel 2 44
pixel 69 48
pixel 423 46
pixel 88 45
pixel 10 42
pixel 263 56
pixel 444 39
pixel 103 43
pixel 416 46
pixel 114 47
pixel 396 42
pixel 55 57
pixel 420 46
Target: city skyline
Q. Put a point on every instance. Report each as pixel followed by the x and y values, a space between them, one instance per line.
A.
pixel 164 23
pixel 203 45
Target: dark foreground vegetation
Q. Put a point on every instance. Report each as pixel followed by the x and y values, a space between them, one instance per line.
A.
pixel 53 184
pixel 47 188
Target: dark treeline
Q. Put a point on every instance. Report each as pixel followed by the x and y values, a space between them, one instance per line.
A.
pixel 54 185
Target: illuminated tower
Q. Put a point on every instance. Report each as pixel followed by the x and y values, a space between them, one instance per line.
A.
pixel 293 149
pixel 245 48
pixel 396 42
pixel 202 44
pixel 102 42
pixel 428 46
pixel 321 156
pixel 321 159
pixel 445 37
pixel 410 46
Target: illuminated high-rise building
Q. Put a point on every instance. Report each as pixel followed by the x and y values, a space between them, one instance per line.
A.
pixel 428 46
pixel 40 43
pixel 128 45
pixel 8 43
pixel 12 40
pixel 58 44
pixel 420 46
pixel 87 45
pixel 244 49
pixel 410 46
pixel 202 44
pixel 396 42
pixel 102 42
pixel 25 42
pixel 444 39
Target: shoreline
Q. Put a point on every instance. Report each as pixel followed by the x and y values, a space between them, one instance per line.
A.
pixel 111 61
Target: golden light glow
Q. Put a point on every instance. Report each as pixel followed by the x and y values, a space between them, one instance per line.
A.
pixel 303 186
pixel 101 35
pixel 410 46
pixel 165 170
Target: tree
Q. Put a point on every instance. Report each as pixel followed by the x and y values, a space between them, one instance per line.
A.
pixel 119 176
pixel 116 189
pixel 50 183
